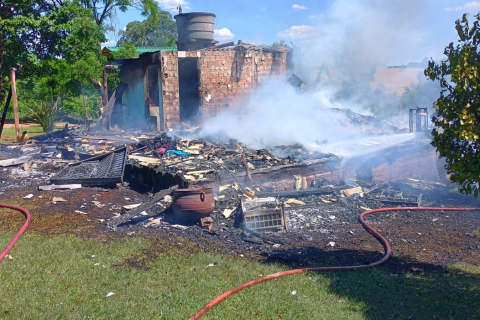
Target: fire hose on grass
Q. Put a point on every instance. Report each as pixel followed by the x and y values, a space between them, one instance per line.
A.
pixel 376 234
pixel 20 232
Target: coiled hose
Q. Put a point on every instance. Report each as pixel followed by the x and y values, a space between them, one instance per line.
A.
pixel 380 238
pixel 20 232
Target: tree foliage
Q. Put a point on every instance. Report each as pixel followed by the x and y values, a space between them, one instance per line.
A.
pixel 31 30
pixel 457 131
pixel 103 10
pixel 63 69
pixel 127 51
pixel 151 32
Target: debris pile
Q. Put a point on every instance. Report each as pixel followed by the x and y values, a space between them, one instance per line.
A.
pixel 259 199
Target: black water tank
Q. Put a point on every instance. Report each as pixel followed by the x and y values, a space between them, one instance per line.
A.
pixel 195 30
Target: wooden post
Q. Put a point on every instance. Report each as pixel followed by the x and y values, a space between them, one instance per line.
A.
pixel 15 105
pixel 105 87
pixel 5 111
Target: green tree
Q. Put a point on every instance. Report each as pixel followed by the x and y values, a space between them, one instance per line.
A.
pixel 31 30
pixel 127 51
pixel 457 131
pixel 103 10
pixel 151 32
pixel 69 80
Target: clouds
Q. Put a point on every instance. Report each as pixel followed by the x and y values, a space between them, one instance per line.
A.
pixel 300 32
pixel 298 7
pixel 223 34
pixel 453 9
pixel 172 4
pixel 110 43
pixel 470 6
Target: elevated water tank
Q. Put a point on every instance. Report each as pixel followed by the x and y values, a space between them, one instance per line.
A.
pixel 195 30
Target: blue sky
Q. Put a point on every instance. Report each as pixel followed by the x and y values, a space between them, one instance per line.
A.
pixel 397 30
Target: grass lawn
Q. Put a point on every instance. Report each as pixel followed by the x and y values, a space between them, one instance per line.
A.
pixel 8 134
pixel 56 277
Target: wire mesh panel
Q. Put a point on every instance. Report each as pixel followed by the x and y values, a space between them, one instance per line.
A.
pixel 105 169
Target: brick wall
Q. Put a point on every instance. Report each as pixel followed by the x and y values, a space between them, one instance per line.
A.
pixel 170 96
pixel 227 76
pixel 418 165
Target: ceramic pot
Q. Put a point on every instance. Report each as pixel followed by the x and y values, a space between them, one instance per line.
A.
pixel 193 203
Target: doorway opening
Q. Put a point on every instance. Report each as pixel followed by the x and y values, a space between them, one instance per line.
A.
pixel 188 80
pixel 155 110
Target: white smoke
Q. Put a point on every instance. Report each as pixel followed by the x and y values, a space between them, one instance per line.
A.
pixel 277 115
pixel 349 42
pixel 365 33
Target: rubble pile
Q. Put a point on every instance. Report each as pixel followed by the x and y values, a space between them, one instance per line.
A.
pixel 202 160
pixel 250 214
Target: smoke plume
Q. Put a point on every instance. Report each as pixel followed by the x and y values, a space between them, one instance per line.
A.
pixel 352 39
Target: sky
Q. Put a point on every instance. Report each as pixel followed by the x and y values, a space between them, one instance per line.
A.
pixel 408 30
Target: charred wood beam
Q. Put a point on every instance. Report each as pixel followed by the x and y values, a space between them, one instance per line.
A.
pixel 292 165
pixel 249 174
pixel 113 224
pixel 295 193
pixel 399 202
pixel 107 112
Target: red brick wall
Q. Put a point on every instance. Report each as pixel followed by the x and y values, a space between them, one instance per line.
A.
pixel 418 165
pixel 170 96
pixel 227 76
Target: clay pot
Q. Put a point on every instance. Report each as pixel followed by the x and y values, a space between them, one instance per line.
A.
pixel 193 203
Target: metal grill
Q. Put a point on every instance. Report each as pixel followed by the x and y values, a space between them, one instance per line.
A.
pixel 263 220
pixel 263 214
pixel 104 169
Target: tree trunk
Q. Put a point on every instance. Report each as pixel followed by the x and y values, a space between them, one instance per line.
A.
pixel 99 86
pixel 2 50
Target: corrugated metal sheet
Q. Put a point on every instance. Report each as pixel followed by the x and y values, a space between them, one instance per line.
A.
pixel 141 50
pixel 133 100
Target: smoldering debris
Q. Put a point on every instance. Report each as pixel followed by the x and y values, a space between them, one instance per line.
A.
pixel 316 210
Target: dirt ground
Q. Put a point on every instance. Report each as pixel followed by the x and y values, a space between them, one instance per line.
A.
pixel 421 240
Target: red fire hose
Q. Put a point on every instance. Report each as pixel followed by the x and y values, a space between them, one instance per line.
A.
pixel 19 233
pixel 382 240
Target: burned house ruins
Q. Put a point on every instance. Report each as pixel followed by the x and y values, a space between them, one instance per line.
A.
pixel 137 172
pixel 194 82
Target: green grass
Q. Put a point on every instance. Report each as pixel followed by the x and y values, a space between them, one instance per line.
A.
pixel 32 132
pixel 54 278
pixel 477 233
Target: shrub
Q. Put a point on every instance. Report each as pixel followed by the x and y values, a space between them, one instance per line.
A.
pixel 46 114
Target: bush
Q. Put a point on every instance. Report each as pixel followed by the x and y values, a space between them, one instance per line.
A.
pixel 46 114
